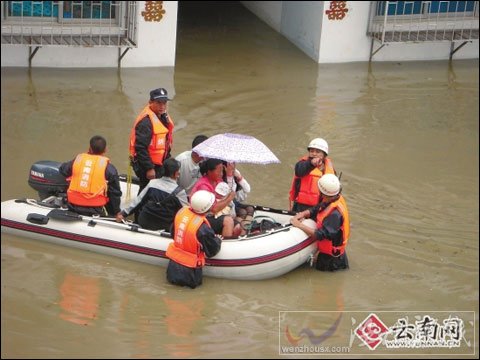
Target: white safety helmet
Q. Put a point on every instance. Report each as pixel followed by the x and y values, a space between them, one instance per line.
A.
pixel 329 185
pixel 319 144
pixel 202 201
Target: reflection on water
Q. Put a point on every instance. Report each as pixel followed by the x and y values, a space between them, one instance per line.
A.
pixel 79 299
pixel 404 136
pixel 316 326
pixel 182 316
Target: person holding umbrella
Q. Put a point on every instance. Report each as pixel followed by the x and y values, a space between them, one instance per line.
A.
pixel 212 171
pixel 236 182
pixel 232 148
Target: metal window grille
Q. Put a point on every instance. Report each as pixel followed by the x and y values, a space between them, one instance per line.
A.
pixel 418 21
pixel 69 23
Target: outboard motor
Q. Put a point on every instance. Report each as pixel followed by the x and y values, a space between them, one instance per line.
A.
pixel 45 177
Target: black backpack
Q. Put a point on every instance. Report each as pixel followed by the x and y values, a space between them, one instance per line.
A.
pixel 262 224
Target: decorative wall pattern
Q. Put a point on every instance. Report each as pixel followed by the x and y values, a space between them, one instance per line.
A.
pixel 338 10
pixel 154 11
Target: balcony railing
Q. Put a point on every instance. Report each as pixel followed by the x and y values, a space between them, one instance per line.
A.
pixel 423 21
pixel 69 23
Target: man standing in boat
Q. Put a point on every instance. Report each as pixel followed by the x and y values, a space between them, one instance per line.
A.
pixel 304 191
pixel 193 240
pixel 151 138
pixel 333 225
pixel 94 185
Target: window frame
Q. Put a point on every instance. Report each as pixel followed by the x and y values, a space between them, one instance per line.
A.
pixel 425 7
pixel 119 7
pixel 58 25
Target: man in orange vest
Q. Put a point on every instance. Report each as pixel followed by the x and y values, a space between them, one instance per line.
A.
pixel 151 138
pixel 333 225
pixel 304 191
pixel 193 240
pixel 94 186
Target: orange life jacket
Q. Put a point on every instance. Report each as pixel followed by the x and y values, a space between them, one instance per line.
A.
pixel 325 245
pixel 308 193
pixel 88 186
pixel 185 248
pixel 161 137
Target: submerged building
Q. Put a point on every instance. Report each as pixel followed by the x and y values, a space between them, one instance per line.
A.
pixel 144 33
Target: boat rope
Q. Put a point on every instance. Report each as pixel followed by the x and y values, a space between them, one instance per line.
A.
pixel 129 182
pixel 38 204
pixel 127 222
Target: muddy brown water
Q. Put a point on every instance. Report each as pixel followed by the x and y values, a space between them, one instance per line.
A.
pixel 404 136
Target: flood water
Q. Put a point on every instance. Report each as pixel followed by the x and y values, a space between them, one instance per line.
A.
pixel 403 135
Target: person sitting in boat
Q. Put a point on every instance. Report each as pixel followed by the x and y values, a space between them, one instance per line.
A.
pixel 212 171
pixel 193 240
pixel 94 185
pixel 333 225
pixel 235 180
pixel 221 192
pixel 159 201
pixel 190 169
pixel 304 191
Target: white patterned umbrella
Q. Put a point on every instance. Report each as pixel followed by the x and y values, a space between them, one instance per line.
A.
pixel 236 148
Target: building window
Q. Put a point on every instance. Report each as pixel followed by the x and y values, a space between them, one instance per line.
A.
pixel 63 10
pixel 69 23
pixel 424 7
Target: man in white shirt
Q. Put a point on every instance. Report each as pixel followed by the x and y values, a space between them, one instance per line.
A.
pixel 190 165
